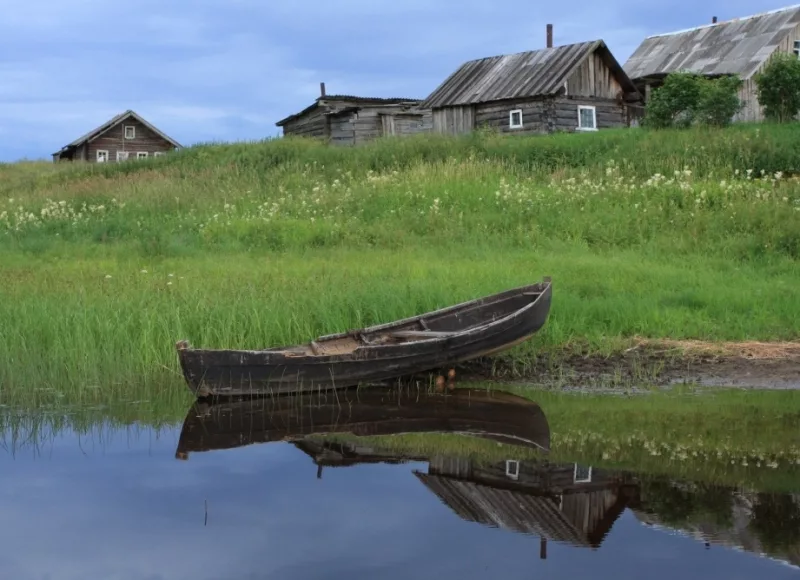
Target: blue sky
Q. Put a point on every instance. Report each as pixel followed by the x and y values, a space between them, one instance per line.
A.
pixel 223 70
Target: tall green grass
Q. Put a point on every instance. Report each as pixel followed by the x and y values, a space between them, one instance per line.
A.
pixel 691 234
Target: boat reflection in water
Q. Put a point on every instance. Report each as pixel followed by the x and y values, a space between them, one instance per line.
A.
pixel 559 502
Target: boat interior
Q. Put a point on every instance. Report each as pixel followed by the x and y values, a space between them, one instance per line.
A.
pixel 437 324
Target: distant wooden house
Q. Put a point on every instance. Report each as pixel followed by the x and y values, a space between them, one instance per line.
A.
pixel 574 87
pixel 740 46
pixel 351 120
pixel 126 136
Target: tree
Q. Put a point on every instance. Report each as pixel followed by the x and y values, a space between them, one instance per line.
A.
pixel 778 87
pixel 688 98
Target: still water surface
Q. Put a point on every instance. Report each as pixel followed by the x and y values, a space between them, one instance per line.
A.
pixel 223 496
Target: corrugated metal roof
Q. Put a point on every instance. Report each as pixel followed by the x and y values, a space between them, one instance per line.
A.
pixel 113 122
pixel 520 75
pixel 739 46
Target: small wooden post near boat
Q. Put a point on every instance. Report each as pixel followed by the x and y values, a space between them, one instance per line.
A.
pixel 439 339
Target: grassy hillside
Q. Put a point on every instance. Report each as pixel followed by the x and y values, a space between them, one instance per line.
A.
pixel 661 234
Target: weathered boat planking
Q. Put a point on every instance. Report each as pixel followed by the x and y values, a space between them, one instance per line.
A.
pixel 438 339
pixel 499 416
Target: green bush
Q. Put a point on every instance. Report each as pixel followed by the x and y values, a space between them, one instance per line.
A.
pixel 778 88
pixel 687 99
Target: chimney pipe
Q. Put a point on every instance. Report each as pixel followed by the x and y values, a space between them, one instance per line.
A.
pixel 713 20
pixel 549 36
pixel 321 89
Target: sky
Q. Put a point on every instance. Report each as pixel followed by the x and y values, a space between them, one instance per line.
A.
pixel 227 70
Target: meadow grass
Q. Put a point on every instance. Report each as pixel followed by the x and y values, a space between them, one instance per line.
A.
pixel 692 234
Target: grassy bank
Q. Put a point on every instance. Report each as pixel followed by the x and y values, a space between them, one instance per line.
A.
pixel 661 235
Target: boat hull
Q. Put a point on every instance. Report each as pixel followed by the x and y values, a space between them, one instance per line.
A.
pixel 488 329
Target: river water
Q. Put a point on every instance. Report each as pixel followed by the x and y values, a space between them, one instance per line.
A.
pixel 241 491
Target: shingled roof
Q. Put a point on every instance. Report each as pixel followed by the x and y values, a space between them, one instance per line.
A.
pixel 520 75
pixel 738 46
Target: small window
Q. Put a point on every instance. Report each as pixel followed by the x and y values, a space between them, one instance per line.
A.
pixel 515 119
pixel 512 468
pixel 797 48
pixel 582 474
pixel 141 155
pixel 158 154
pixel 587 118
pixel 102 156
pixel 130 132
pixel 122 155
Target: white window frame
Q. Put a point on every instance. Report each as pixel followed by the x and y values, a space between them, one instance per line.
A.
pixel 125 131
pixel 513 474
pixel 796 48
pixel 102 156
pixel 511 119
pixel 587 479
pixel 141 155
pixel 122 155
pixel 594 117
pixel 158 153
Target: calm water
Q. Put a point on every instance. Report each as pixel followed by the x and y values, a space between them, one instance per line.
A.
pixel 223 497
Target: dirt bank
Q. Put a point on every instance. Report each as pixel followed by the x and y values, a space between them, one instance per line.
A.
pixel 654 362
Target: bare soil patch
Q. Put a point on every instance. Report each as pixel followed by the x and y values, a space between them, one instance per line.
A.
pixel 773 365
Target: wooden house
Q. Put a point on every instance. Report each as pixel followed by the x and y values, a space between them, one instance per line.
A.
pixel 574 87
pixel 126 136
pixel 352 120
pixel 741 46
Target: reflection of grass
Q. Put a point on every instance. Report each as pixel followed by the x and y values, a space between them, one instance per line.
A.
pixel 735 437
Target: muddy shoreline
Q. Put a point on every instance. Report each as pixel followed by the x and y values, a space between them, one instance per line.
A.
pixel 745 365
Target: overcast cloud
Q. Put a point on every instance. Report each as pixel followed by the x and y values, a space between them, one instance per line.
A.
pixel 214 70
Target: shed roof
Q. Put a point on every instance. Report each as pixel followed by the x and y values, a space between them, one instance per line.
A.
pixel 348 99
pixel 738 46
pixel 519 75
pixel 114 121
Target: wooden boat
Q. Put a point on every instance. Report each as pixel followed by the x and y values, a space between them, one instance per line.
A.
pixel 435 340
pixel 496 415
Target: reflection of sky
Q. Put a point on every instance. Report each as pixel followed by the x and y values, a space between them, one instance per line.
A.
pixel 126 509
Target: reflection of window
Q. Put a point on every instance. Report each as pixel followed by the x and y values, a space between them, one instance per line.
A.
pixel 512 468
pixel 515 119
pixel 582 474
pixel 587 119
pixel 102 156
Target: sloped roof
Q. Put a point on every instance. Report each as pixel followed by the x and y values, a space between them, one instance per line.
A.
pixel 738 46
pixel 350 99
pixel 519 75
pixel 112 123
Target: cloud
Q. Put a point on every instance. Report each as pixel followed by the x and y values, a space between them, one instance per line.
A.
pixel 227 70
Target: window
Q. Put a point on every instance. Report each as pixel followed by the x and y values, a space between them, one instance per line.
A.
pixel 587 118
pixel 130 132
pixel 141 155
pixel 512 468
pixel 797 48
pixel 582 474
pixel 158 154
pixel 515 119
pixel 122 155
pixel 102 156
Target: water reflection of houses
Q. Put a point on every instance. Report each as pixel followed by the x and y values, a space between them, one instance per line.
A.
pixel 568 503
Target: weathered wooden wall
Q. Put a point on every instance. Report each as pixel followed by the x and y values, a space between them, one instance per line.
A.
pixel 547 115
pixel 593 79
pixel 454 120
pixel 370 123
pixel 311 124
pixel 113 140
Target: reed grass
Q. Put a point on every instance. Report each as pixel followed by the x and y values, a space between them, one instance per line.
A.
pixel 680 235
